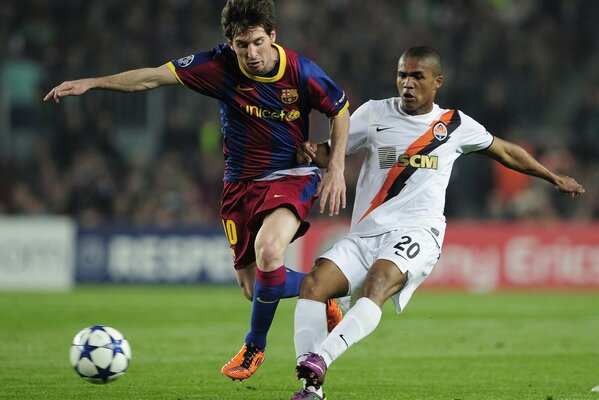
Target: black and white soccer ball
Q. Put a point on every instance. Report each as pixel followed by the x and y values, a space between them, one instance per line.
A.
pixel 100 354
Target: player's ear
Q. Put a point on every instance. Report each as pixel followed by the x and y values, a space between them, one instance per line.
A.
pixel 438 82
pixel 273 36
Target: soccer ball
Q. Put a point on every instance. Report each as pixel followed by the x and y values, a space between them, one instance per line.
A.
pixel 100 354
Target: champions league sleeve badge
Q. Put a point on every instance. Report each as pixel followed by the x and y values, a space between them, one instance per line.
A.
pixel 185 61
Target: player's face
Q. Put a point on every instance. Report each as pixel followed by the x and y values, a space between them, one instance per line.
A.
pixel 417 85
pixel 254 50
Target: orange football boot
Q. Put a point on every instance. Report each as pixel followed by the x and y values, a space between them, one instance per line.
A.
pixel 334 314
pixel 245 363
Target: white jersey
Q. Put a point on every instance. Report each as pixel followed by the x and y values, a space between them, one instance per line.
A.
pixel 408 163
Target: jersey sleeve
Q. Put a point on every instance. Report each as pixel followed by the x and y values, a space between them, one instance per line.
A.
pixel 474 136
pixel 358 129
pixel 324 94
pixel 203 72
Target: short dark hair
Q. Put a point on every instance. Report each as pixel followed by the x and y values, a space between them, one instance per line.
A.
pixel 239 16
pixel 424 52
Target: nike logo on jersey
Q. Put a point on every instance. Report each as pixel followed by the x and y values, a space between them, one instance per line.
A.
pixel 244 88
pixel 344 341
pixel 278 195
pixel 382 128
pixel 265 301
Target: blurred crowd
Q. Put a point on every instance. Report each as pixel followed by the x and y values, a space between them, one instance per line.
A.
pixel 526 69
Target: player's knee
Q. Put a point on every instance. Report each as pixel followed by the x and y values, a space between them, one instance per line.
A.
pixel 269 255
pixel 312 289
pixel 377 297
pixel 380 286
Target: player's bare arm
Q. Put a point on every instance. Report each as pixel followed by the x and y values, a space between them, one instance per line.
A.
pixel 515 157
pixel 129 81
pixel 332 187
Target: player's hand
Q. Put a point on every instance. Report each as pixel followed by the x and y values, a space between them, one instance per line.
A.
pixel 306 153
pixel 68 88
pixel 332 191
pixel 569 185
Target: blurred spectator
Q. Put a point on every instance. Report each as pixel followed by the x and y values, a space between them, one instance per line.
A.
pixel 518 66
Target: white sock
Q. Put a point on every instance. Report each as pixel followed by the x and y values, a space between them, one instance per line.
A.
pixel 360 321
pixel 318 391
pixel 310 324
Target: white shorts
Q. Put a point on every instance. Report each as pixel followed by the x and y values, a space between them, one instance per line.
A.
pixel 413 250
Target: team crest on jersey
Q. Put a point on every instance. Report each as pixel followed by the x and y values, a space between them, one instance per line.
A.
pixel 289 96
pixel 185 61
pixel 440 131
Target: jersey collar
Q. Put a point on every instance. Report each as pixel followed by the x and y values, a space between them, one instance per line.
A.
pixel 405 114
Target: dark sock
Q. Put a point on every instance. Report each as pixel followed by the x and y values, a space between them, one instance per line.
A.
pixel 268 290
pixel 292 284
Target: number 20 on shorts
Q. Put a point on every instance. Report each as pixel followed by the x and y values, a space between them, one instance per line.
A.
pixel 406 246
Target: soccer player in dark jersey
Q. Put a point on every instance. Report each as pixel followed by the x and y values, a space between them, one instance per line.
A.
pixel 266 93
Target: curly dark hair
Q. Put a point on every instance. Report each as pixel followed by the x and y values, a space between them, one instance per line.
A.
pixel 239 16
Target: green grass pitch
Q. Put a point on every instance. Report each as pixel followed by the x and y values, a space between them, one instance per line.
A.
pixel 445 346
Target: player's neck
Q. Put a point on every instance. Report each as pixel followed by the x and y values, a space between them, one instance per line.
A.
pixel 272 71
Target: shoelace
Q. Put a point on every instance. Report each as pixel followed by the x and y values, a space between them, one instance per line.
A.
pixel 249 355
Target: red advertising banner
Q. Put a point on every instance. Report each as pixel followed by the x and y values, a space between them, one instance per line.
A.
pixel 484 256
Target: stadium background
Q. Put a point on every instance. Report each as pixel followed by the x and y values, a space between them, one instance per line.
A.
pixel 109 190
pixel 139 175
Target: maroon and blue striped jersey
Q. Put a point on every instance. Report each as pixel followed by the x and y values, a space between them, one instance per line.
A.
pixel 264 119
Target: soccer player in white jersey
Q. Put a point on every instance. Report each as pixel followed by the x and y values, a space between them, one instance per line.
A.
pixel 397 224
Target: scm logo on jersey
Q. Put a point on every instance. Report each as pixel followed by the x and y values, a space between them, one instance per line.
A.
pixel 418 161
pixel 257 111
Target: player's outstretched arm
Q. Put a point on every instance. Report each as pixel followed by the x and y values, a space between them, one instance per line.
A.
pixel 128 81
pixel 515 157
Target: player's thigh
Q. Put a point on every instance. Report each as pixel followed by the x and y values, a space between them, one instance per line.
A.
pixel 414 251
pixel 352 257
pixel 278 229
pixel 292 193
pixel 325 281
pixel 382 281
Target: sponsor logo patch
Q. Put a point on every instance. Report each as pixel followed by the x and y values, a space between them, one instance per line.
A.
pixel 257 111
pixel 292 115
pixel 418 161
